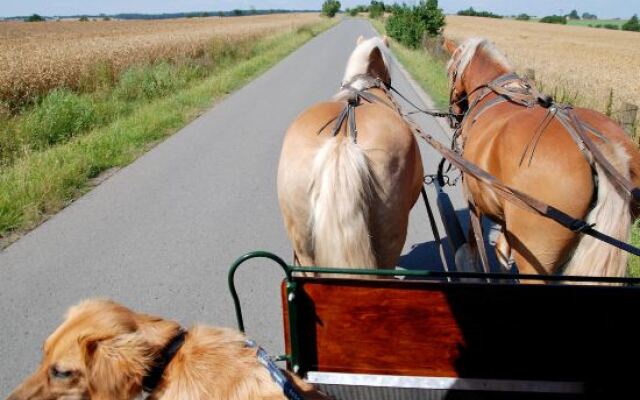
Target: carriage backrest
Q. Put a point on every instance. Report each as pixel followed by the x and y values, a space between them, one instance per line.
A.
pixel 466 330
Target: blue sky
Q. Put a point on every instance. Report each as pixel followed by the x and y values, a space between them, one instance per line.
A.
pixel 602 8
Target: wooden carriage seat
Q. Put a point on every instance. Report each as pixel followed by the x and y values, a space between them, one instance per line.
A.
pixel 558 333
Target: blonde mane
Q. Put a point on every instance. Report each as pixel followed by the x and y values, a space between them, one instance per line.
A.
pixel 468 49
pixel 358 64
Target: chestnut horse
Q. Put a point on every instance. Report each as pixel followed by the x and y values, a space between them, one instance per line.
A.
pixel 498 135
pixel 345 200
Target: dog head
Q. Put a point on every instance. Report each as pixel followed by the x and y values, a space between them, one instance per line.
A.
pixel 101 351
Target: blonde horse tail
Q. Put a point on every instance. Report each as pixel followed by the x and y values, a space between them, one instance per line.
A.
pixel 612 216
pixel 341 189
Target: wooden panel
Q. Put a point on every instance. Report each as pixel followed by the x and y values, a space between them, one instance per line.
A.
pixel 531 332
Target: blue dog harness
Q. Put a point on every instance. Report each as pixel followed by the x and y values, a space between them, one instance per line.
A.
pixel 276 374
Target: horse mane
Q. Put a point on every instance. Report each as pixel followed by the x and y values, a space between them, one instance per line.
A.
pixel 359 63
pixel 468 50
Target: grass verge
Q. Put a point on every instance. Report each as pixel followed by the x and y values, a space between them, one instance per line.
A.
pixel 43 182
pixel 429 71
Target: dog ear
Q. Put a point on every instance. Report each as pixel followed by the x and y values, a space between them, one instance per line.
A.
pixel 115 366
pixel 385 40
pixel 360 39
pixel 377 67
pixel 450 45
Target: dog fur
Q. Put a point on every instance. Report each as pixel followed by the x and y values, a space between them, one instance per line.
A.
pixel 102 351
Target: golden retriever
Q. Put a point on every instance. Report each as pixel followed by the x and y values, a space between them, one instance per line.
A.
pixel 103 351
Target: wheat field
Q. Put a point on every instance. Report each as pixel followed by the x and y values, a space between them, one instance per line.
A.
pixel 576 63
pixel 37 57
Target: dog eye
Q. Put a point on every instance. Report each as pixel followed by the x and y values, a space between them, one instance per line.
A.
pixel 60 374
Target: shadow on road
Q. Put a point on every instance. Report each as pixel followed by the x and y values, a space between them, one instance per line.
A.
pixel 426 255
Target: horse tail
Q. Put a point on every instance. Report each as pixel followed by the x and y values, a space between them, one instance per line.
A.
pixel 611 216
pixel 341 190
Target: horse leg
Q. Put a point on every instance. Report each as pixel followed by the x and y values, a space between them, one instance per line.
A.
pixel 503 251
pixel 539 245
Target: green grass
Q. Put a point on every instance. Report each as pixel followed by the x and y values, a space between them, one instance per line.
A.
pixel 634 262
pixel 587 22
pixel 428 70
pixel 42 182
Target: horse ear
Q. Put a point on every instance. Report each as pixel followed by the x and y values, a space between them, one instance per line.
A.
pixel 377 66
pixel 450 45
pixel 385 40
pixel 360 39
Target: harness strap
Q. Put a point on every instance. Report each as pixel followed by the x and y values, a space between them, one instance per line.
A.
pixel 151 381
pixel 476 226
pixel 529 96
pixel 276 373
pixel 515 196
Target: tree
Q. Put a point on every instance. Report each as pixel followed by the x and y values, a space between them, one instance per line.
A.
pixel 471 12
pixel 632 24
pixel 573 14
pixel 376 9
pixel 330 8
pixel 523 17
pixel 237 12
pixel 554 19
pixel 431 16
pixel 586 15
pixel 34 18
pixel 409 25
pixel 84 19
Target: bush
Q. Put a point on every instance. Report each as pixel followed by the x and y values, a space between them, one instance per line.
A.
pixel 376 9
pixel 611 26
pixel 554 19
pixel 409 25
pixel 330 8
pixel 405 27
pixel 573 15
pixel 149 82
pixel 59 117
pixel 34 18
pixel 632 24
pixel 523 17
pixel 84 19
pixel 352 11
pixel 430 16
pixel 470 12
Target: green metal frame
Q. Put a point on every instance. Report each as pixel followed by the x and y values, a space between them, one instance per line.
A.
pixel 292 287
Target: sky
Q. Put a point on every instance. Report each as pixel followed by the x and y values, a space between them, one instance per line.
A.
pixel 602 8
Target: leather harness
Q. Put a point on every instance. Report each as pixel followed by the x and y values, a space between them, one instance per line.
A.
pixel 526 96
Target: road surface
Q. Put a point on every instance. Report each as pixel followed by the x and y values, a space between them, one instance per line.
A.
pixel 161 233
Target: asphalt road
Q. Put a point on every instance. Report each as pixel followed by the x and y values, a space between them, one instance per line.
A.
pixel 160 234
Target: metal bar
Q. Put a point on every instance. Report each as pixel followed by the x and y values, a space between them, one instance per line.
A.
pixel 444 383
pixel 292 307
pixel 232 273
pixel 434 229
pixel 474 275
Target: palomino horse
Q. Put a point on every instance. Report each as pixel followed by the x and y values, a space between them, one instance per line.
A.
pixel 345 199
pixel 531 150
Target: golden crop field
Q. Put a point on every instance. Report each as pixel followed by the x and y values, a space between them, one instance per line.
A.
pixel 36 57
pixel 573 59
